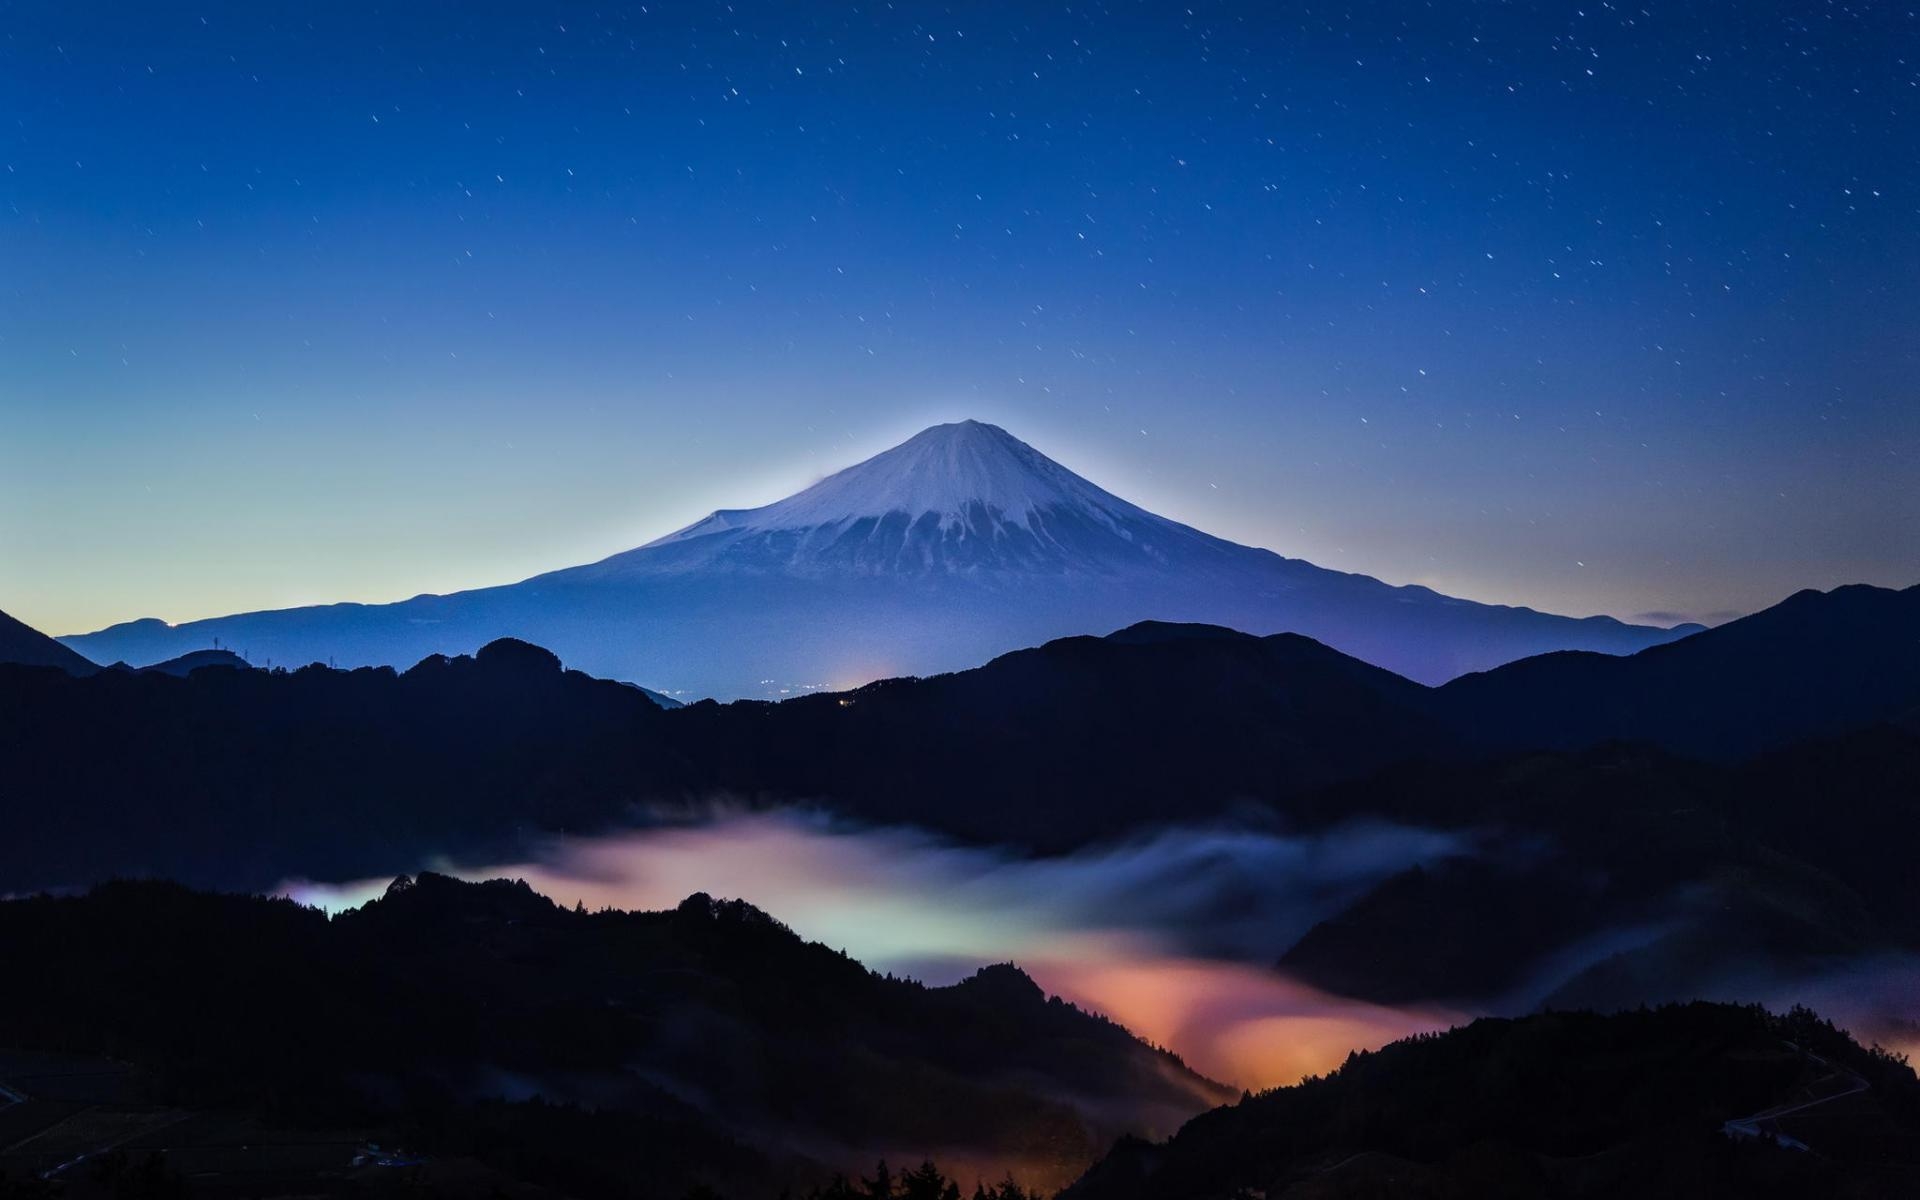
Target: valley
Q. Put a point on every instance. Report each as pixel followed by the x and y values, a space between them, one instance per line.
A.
pixel 1256 853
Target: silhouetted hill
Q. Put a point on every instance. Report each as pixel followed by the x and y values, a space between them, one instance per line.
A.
pixel 243 778
pixel 1089 737
pixel 1661 1103
pixel 1815 664
pixel 27 646
pixel 1622 873
pixel 1596 871
pixel 1080 738
pixel 187 664
pixel 1846 804
pixel 1618 871
pixel 710 1042
pixel 659 698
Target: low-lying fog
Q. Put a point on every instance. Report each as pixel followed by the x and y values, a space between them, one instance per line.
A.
pixel 1173 936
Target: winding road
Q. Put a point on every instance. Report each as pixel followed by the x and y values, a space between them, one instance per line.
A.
pixel 1764 1124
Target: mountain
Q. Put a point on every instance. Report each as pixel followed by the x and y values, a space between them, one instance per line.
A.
pixel 1621 874
pixel 193 661
pixel 1816 664
pixel 27 646
pixel 1085 738
pixel 1602 874
pixel 1733 805
pixel 242 778
pixel 1684 1101
pixel 630 1054
pixel 1081 739
pixel 959 544
pixel 659 698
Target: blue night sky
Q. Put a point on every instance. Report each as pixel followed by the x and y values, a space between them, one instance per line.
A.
pixel 1594 307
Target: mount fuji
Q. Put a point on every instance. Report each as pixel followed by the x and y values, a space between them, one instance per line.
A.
pixel 959 544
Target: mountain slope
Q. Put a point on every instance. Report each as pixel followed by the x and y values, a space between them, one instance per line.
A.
pixel 1668 1102
pixel 680 1032
pixel 243 778
pixel 23 644
pixel 1620 874
pixel 240 778
pixel 1081 738
pixel 1817 663
pixel 188 663
pixel 959 544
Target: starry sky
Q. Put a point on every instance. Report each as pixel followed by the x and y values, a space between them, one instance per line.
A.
pixel 1593 307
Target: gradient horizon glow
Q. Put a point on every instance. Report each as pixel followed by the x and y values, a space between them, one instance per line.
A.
pixel 1580 306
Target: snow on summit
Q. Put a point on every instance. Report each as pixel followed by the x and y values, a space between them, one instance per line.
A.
pixel 962 499
pixel 958 472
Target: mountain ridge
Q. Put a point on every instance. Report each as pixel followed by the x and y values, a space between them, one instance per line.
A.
pixel 1815 663
pixel 1649 1103
pixel 712 1014
pixel 23 644
pixel 1155 724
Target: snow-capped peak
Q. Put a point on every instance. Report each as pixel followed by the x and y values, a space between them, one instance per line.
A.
pixel 962 473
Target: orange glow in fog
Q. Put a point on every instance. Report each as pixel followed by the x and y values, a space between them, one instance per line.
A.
pixel 1243 1025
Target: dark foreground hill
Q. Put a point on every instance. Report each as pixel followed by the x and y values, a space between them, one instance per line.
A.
pixel 1816 664
pixel 198 660
pixel 1621 874
pixel 1082 738
pixel 21 643
pixel 243 778
pixel 706 1044
pixel 1687 1101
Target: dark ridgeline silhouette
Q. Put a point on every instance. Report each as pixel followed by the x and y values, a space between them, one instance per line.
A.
pixel 1080 739
pixel 243 778
pixel 1738 826
pixel 240 778
pixel 197 660
pixel 924 1182
pixel 1671 1102
pixel 708 1052
pixel 1781 848
pixel 957 545
pixel 1817 663
pixel 1673 871
pixel 22 645
pixel 705 1044
pixel 27 646
pixel 1679 876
